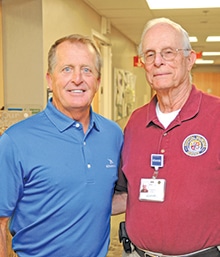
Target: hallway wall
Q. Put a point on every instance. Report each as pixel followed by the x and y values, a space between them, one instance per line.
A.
pixel 22 52
pixel 29 29
pixel 1 63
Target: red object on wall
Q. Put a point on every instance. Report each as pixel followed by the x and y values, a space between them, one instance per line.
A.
pixel 199 55
pixel 137 61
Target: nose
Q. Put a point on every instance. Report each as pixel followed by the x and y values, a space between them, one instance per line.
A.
pixel 158 59
pixel 77 77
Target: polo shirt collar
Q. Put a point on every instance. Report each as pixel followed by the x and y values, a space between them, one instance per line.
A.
pixel 188 111
pixel 63 122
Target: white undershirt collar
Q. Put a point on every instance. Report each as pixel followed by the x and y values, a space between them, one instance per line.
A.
pixel 166 118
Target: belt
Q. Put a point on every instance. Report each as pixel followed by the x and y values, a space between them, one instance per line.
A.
pixel 202 253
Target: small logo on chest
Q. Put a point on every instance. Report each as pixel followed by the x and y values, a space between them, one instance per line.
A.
pixel 110 164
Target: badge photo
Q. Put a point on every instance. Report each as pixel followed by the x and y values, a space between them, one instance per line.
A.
pixel 152 190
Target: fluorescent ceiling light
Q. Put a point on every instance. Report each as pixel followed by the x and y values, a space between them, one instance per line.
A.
pixel 213 39
pixel 210 53
pixel 201 61
pixel 171 4
pixel 193 39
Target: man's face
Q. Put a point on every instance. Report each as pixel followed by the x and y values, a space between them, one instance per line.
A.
pixel 162 74
pixel 74 79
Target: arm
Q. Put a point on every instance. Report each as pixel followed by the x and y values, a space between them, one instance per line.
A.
pixel 119 200
pixel 3 236
pixel 118 203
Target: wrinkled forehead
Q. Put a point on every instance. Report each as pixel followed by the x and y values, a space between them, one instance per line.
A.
pixel 162 35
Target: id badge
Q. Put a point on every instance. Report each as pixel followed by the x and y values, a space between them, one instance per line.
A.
pixel 152 190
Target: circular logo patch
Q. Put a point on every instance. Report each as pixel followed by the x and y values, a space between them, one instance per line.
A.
pixel 195 145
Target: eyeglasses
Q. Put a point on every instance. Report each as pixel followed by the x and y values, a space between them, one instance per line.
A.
pixel 168 54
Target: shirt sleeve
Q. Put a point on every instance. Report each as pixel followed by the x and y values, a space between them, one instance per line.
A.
pixel 11 181
pixel 121 185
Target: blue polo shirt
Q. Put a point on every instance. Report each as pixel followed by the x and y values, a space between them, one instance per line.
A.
pixel 57 184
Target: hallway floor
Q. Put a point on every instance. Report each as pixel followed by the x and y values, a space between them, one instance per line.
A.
pixel 115 249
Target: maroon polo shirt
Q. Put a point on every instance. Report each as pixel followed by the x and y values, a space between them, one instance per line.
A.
pixel 188 219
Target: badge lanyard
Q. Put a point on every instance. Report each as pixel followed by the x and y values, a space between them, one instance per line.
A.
pixel 153 189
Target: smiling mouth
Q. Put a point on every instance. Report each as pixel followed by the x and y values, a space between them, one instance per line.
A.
pixel 77 91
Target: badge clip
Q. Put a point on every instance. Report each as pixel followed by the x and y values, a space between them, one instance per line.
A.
pixel 157 161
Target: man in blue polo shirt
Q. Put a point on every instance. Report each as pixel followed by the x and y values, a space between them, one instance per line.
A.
pixel 59 167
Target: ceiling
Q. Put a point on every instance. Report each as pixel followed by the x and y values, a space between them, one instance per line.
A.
pixel 130 16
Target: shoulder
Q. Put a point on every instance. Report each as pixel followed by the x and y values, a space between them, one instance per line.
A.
pixel 197 94
pixel 141 111
pixel 23 126
pixel 210 103
pixel 211 98
pixel 105 122
pixel 139 117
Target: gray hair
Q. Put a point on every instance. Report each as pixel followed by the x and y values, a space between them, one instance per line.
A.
pixel 153 22
pixel 74 38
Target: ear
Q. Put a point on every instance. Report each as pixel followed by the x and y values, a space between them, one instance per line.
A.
pixel 98 84
pixel 49 81
pixel 191 59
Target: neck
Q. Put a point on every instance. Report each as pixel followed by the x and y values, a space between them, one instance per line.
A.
pixel 173 99
pixel 81 115
pixel 83 119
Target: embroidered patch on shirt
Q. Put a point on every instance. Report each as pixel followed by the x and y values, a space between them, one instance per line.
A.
pixel 195 145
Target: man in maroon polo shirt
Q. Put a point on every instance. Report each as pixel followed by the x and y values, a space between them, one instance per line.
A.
pixel 172 146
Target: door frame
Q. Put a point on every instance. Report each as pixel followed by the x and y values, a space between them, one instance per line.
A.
pixel 102 103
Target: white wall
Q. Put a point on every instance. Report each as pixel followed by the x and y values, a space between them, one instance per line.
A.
pixel 1 63
pixel 22 52
pixel 29 29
